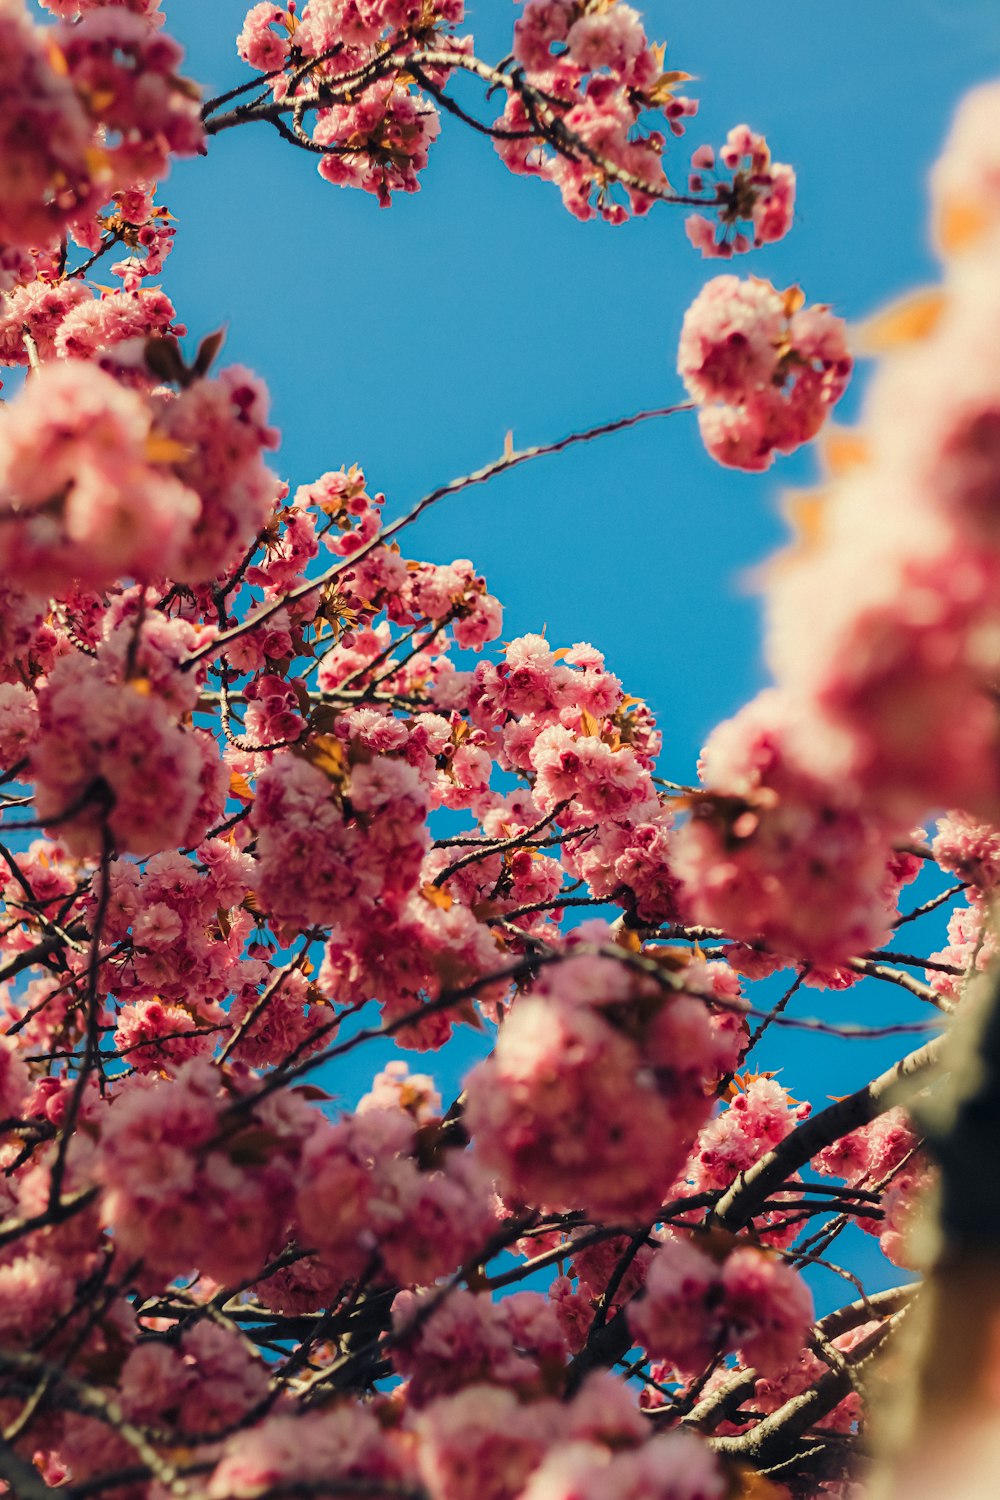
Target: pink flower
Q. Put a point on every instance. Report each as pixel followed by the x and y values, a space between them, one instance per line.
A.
pixel 764 370
pixel 220 430
pixel 759 1116
pixel 152 1035
pixel 731 338
pixel 677 1319
pixel 482 1443
pixel 205 1382
pixel 612 39
pixel 49 171
pixel 84 492
pixel 258 43
pixel 546 1108
pixel 128 74
pixel 38 310
pixel 695 1309
pixel 18 722
pixel 773 854
pixel 364 1192
pixel 289 1023
pixel 469 1338
pixel 182 1192
pixel 673 1466
pixel 542 23
pixel 97 324
pixel 768 1310
pixel 391 130
pixel 34 1289
pixel 316 865
pixel 111 750
pixel 343 1443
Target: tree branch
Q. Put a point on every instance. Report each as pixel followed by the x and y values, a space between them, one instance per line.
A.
pixel 751 1189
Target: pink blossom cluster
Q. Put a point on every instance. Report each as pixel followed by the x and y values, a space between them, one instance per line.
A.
pixel 372 126
pixel 81 496
pixel 187 1186
pixel 125 72
pixel 764 369
pixel 91 105
pixel 351 810
pixel 187 928
pixel 971 949
pixel 65 318
pixel 886 1155
pixel 346 1445
pixel 208 1379
pixel 672 1466
pixel 562 718
pixel 112 755
pixel 774 855
pixel 597 76
pixel 49 174
pixel 760 1114
pixel 378 1186
pixel 427 596
pixel 695 1307
pixel 968 850
pixel 545 1107
pixel 898 666
pixel 761 195
pixel 579 1297
pixel 262 45
pixel 327 845
pixel 97 480
pixel 379 144
pixel 514 1342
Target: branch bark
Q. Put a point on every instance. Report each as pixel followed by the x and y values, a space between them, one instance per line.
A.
pixel 751 1189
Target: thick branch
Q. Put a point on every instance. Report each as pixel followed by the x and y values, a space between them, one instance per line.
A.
pixel 774 1439
pixel 751 1189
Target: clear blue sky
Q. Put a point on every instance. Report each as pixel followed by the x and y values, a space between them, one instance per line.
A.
pixel 411 340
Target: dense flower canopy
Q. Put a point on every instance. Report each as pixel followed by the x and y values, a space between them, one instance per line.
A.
pixel 272 791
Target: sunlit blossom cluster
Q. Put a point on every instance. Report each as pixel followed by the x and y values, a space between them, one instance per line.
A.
pixel 900 671
pixel 764 368
pixel 93 106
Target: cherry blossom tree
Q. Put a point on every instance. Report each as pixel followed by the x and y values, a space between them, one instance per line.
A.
pixel 273 793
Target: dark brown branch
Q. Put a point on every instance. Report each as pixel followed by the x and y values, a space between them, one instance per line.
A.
pixel 899 977
pixel 770 1441
pixel 55 1213
pixel 753 1187
pixel 932 904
